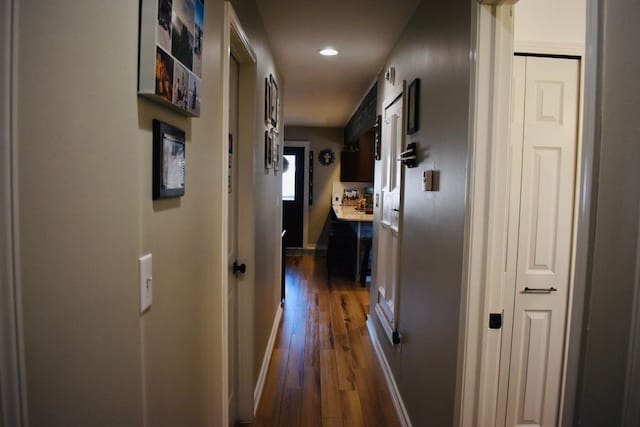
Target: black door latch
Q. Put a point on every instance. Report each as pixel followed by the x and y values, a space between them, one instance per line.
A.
pixel 239 268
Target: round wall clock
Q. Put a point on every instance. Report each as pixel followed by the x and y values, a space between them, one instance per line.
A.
pixel 326 157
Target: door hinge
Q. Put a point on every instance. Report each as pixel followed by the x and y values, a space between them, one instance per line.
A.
pixel 495 320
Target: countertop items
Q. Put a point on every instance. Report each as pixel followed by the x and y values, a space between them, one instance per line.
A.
pixel 349 213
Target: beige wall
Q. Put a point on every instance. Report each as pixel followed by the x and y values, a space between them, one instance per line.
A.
pixel 550 22
pixel 323 176
pixel 86 216
pixel 435 48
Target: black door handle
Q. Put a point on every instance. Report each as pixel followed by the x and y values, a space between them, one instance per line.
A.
pixel 241 268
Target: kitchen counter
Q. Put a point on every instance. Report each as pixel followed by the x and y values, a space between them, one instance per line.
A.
pixel 349 213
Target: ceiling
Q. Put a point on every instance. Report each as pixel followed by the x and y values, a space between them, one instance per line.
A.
pixel 325 91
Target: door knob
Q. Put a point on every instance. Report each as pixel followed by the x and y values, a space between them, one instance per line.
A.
pixel 239 268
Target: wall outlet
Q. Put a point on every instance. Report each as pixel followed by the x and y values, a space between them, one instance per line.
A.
pixel 145 268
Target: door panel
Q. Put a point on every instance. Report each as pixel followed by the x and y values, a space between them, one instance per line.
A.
pixel 388 225
pixel 293 208
pixel 541 212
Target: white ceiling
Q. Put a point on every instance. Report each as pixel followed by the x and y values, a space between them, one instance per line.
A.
pixel 325 91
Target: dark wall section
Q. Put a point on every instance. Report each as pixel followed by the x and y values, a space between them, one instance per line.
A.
pixel 434 48
pixel 603 377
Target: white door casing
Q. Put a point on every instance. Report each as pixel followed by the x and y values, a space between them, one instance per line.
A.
pixel 232 245
pixel 538 251
pixel 388 218
pixel 235 42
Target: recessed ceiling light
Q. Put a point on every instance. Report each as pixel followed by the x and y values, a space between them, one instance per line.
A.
pixel 328 51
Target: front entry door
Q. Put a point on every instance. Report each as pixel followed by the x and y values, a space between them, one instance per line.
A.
pixel 544 144
pixel 293 197
pixel 387 219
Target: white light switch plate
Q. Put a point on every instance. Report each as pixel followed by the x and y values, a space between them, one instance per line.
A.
pixel 146 282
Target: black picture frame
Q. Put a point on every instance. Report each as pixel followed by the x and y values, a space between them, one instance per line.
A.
pixel 268 150
pixel 413 107
pixel 169 155
pixel 273 101
pixel 267 100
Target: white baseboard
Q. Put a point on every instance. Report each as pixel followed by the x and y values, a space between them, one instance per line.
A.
pixel 401 410
pixel 257 392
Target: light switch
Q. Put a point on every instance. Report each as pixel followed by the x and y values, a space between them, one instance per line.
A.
pixel 146 282
pixel 427 180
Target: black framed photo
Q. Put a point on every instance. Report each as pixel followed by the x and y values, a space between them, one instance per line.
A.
pixel 168 160
pixel 267 100
pixel 413 106
pixel 268 150
pixel 273 101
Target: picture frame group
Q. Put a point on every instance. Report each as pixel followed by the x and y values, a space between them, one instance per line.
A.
pixel 272 113
pixel 170 56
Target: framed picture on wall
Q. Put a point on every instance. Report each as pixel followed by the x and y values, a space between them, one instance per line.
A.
pixel 168 161
pixel 273 101
pixel 413 106
pixel 170 55
pixel 268 150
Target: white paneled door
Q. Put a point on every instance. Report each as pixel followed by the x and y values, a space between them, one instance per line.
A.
pixel 388 216
pixel 544 146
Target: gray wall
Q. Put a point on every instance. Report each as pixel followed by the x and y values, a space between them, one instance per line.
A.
pixel 435 48
pixel 323 176
pixel 86 216
pixel 615 241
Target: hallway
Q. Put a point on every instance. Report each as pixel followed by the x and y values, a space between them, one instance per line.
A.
pixel 324 370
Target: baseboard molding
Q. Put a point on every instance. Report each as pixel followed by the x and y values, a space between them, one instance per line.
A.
pixel 257 392
pixel 401 410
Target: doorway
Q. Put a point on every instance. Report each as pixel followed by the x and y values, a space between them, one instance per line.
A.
pixel 293 199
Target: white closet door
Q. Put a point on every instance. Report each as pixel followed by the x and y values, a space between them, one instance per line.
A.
pixel 542 246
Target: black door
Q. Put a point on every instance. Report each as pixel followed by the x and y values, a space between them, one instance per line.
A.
pixel 293 196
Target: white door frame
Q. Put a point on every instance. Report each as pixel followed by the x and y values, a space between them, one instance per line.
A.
pixel 13 403
pixel 236 42
pixel 486 209
pixel 305 210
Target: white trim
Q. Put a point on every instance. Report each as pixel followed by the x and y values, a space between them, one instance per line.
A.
pixel 236 42
pixel 396 398
pixel 305 207
pixel 476 222
pixel 262 377
pixel 13 398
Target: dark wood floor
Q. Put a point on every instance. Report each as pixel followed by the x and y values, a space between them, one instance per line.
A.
pixel 324 371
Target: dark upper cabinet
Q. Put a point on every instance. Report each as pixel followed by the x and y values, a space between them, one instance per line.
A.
pixel 357 166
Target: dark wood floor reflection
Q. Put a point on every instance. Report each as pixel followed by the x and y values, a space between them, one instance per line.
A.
pixel 324 371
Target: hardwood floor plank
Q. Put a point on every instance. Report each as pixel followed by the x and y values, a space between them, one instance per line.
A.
pixel 273 388
pixel 329 392
pixel 311 415
pixel 290 409
pixel 351 411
